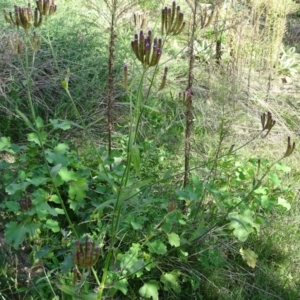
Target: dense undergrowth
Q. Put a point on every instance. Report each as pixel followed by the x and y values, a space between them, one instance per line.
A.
pixel 148 150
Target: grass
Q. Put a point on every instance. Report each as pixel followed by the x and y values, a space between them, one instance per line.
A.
pixel 228 100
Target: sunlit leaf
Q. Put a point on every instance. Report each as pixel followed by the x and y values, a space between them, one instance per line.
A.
pixel 170 281
pixel 150 290
pixel 249 256
pixel 284 203
pixel 174 239
pixel 157 247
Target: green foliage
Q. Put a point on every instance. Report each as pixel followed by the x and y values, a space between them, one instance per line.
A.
pixel 156 238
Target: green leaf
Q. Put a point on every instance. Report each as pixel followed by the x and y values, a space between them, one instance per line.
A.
pixel 249 256
pixel 34 137
pixel 52 225
pixel 157 247
pixel 5 144
pixel 67 175
pixel 284 203
pixel 242 224
pixel 77 189
pixel 174 239
pixel 261 190
pixel 14 187
pixel 121 285
pixel 274 179
pixel 39 122
pixel 150 290
pixel 170 281
pixel 283 168
pixel 55 170
pixel 16 233
pixel 37 180
pixel 135 158
pixel 67 264
pixel 58 156
pixel 55 199
pixel 58 124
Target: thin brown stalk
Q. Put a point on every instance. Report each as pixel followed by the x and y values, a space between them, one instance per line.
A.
pixel 110 80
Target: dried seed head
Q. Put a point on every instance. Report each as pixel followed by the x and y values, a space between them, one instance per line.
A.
pixel 290 148
pixel 267 122
pixel 164 79
pixel 125 76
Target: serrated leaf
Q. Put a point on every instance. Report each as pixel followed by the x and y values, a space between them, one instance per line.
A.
pixel 283 168
pixel 5 143
pixel 174 239
pixel 14 187
pixel 77 189
pixel 284 203
pixel 242 224
pixel 16 233
pixel 38 139
pixel 157 247
pixel 150 290
pixel 67 264
pixel 121 285
pixel 67 175
pixel 249 256
pixel 170 281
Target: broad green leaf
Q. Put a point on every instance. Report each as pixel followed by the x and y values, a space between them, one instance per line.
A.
pixel 77 189
pixel 34 137
pixel 57 158
pixel 284 203
pixel 135 158
pixel 55 170
pixel 43 209
pixel 174 239
pixel 150 290
pixel 249 256
pixel 67 175
pixel 36 181
pixel 157 247
pixel 14 187
pixel 283 168
pixel 55 199
pixel 67 264
pixel 261 190
pixel 16 233
pixel 121 285
pixel 242 224
pixel 52 225
pixel 136 225
pixel 58 124
pixel 5 143
pixel 274 179
pixel 12 205
pixel 39 122
pixel 170 281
